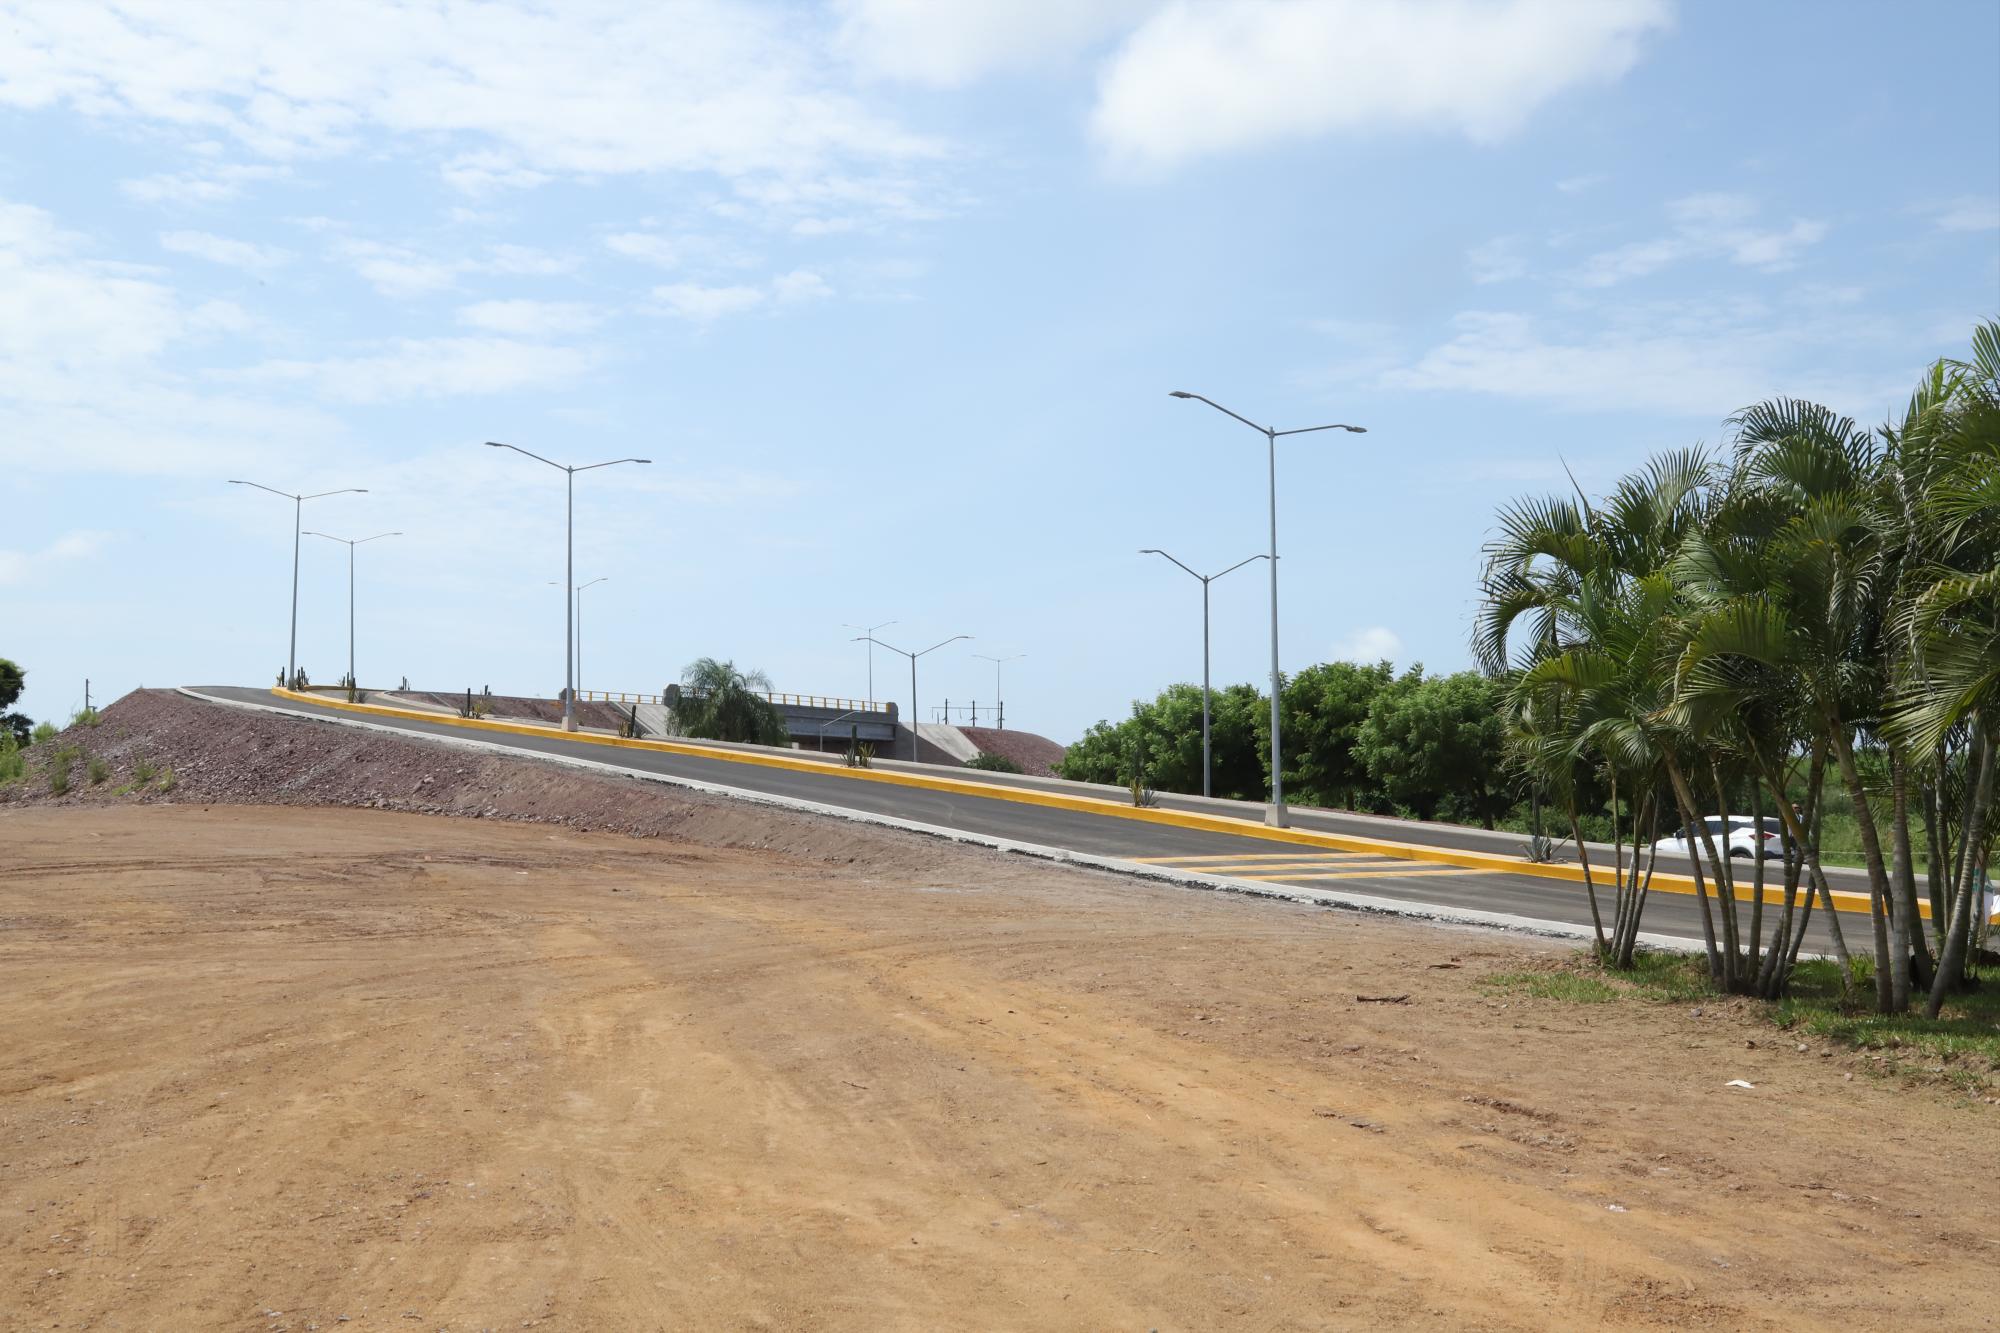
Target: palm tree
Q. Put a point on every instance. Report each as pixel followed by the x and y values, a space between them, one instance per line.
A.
pixel 720 703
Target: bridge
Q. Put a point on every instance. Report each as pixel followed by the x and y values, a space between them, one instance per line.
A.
pixel 814 721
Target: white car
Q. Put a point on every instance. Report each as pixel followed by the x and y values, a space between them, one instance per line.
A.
pixel 1737 836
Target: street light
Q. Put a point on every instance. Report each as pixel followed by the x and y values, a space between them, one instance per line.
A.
pixel 298 526
pixel 865 631
pixel 353 681
pixel 1206 579
pixel 1275 817
pixel 913 677
pixel 569 569
pixel 579 622
pixel 997 661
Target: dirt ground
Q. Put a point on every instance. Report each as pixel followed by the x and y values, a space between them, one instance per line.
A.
pixel 279 1068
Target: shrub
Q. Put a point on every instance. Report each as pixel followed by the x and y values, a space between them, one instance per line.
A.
pixel 167 779
pixel 143 771
pixel 12 763
pixel 994 763
pixel 44 731
pixel 60 765
pixel 97 770
pixel 86 717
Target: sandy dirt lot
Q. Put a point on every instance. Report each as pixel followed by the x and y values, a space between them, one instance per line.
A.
pixel 280 1068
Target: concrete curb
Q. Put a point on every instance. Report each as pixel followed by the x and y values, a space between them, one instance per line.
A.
pixel 1430 912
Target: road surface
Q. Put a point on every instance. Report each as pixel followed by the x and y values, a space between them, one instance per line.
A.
pixel 1417 884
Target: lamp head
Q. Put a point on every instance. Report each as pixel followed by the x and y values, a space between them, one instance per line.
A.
pixel 1179 393
pixel 1358 430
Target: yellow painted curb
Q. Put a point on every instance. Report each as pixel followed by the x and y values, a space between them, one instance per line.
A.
pixel 1242 828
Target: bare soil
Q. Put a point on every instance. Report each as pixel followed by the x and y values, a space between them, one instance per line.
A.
pixel 269 1067
pixel 1035 754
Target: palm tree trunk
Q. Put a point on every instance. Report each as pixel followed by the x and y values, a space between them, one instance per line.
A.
pixel 1958 933
pixel 1754 964
pixel 1871 852
pixel 1921 964
pixel 1901 915
pixel 1725 882
pixel 1684 797
pixel 1589 884
pixel 1937 882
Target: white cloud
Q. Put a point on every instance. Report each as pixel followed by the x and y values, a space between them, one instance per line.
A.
pixel 430 368
pixel 208 185
pixel 1706 226
pixel 1681 359
pixel 1578 184
pixel 649 247
pixel 485 172
pixel 1366 647
pixel 530 319
pixel 1198 79
pixel 800 285
pixel 223 250
pixel 400 272
pixel 698 85
pixel 701 304
pixel 1497 260
pixel 27 566
pixel 948 45
pixel 693 301
pixel 1969 214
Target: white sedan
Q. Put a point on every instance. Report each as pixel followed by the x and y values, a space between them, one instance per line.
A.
pixel 1738 836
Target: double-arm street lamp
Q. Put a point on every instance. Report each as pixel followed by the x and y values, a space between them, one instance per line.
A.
pixel 867 630
pixel 1206 579
pixel 999 707
pixel 1275 816
pixel 913 676
pixel 578 594
pixel 298 527
pixel 569 569
pixel 353 681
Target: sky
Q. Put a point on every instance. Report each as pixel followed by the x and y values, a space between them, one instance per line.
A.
pixel 893 293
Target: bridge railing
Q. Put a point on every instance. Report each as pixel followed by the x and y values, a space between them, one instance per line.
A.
pixel 833 702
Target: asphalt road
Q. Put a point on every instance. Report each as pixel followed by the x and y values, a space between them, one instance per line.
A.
pixel 1244 857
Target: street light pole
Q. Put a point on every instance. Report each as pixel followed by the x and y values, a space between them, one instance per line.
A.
pixel 913 677
pixel 353 681
pixel 1275 816
pixel 1206 579
pixel 569 568
pixel 298 525
pixel 997 697
pixel 865 631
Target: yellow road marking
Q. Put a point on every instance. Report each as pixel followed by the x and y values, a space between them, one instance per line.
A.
pixel 1245 857
pixel 1382 873
pixel 1287 867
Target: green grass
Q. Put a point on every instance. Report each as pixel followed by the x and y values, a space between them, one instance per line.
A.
pixel 1961 1046
pixel 1568 987
pixel 167 779
pixel 97 770
pixel 61 765
pixel 12 762
pixel 143 771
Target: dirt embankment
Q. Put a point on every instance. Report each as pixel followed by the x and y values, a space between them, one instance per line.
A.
pixel 196 753
pixel 1034 754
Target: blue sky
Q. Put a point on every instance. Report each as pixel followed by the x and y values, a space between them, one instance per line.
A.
pixel 893 294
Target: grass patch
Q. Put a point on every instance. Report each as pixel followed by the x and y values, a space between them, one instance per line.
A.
pixel 167 779
pixel 97 771
pixel 1568 987
pixel 143 771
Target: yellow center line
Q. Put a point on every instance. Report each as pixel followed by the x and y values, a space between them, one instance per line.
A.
pixel 1392 872
pixel 1244 857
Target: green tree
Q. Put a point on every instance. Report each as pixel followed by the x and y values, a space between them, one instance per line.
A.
pixel 720 703
pixel 12 681
pixel 1435 746
pixel 1324 707
pixel 1163 737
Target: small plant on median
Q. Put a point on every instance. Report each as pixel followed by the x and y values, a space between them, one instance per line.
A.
pixel 1569 987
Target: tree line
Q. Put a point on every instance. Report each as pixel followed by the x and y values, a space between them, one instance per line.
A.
pixel 1356 738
